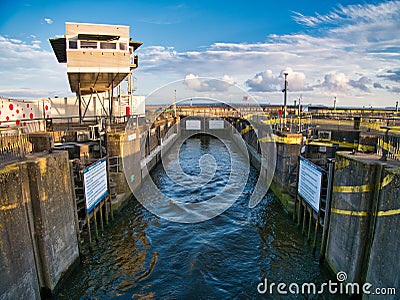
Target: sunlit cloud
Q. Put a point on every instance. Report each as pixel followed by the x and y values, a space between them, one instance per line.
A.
pixel 195 83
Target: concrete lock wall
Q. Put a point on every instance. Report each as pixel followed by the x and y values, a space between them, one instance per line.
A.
pixel 349 221
pixel 38 239
pixel 54 222
pixel 384 261
pixel 18 274
pixel 125 145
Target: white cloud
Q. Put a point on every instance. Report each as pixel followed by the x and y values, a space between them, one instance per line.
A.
pixel 28 71
pixel 268 82
pixel 198 84
pixel 336 82
pixel 48 21
pixel 346 43
pixel 352 13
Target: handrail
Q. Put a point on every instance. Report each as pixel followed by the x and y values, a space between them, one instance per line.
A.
pixel 14 144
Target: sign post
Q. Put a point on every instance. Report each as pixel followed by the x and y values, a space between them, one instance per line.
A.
pixel 309 186
pixel 95 183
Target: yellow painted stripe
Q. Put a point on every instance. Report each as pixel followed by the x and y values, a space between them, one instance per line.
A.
pixel 351 189
pixel 281 139
pixel 247 116
pixel 329 143
pixel 288 140
pixel 8 207
pixel 349 212
pixel 388 178
pixel 266 139
pixel 362 188
pixel 386 213
pixel 247 129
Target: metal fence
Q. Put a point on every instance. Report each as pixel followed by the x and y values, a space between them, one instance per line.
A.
pixel 14 144
pixel 389 146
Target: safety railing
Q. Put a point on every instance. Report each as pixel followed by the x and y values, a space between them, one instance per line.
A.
pixel 14 144
pixel 389 146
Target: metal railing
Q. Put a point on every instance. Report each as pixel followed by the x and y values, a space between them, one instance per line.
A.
pixel 389 146
pixel 113 164
pixel 14 144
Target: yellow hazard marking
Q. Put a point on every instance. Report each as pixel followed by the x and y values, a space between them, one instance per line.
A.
pixel 362 188
pixel 8 207
pixel 388 178
pixel 384 213
pixel 351 189
pixel 388 212
pixel 247 116
pixel 349 212
pixel 247 129
pixel 281 139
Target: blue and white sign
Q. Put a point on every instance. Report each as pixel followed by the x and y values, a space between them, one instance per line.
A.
pixel 193 125
pixel 95 181
pixel 216 124
pixel 309 185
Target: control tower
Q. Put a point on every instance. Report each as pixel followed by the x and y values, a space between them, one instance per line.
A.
pixel 99 57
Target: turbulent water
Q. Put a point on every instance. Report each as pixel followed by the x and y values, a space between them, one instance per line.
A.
pixel 142 256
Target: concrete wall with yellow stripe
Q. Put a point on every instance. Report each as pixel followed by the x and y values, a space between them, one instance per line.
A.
pixel 38 240
pixel 384 261
pixel 365 220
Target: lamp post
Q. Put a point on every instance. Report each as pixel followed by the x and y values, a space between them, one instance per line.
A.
pixel 174 103
pixel 334 104
pixel 285 98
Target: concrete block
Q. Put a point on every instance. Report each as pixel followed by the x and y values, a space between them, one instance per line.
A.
pixel 54 222
pixel 384 261
pixel 41 141
pixel 18 276
pixel 353 191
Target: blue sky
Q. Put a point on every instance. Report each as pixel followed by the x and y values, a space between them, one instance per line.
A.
pixel 343 49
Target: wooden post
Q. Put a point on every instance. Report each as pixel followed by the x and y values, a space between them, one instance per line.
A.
pixel 88 226
pixel 101 216
pixel 95 223
pixel 299 211
pixel 106 208
pixel 316 231
pixel 297 186
pixel 304 218
pixel 109 188
pixel 309 223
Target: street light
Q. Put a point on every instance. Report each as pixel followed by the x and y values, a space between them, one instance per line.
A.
pixel 285 98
